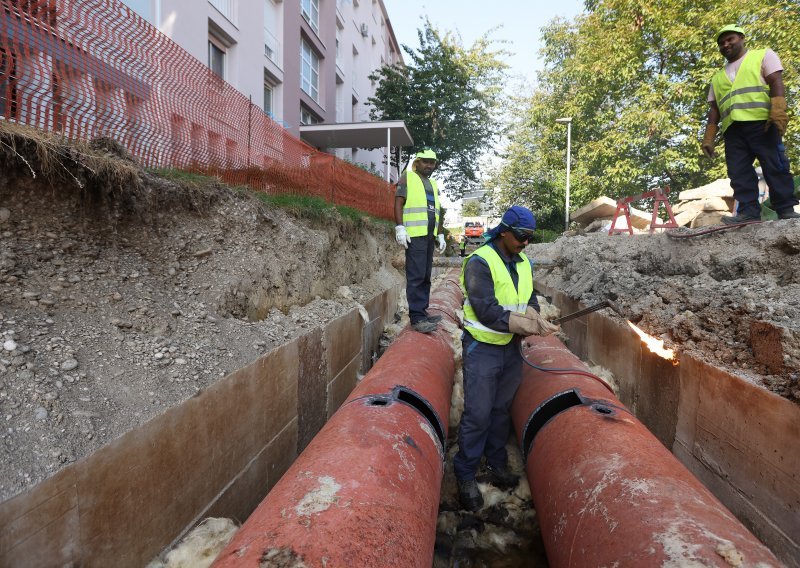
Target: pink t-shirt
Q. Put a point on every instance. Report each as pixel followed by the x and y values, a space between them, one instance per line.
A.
pixel 770 64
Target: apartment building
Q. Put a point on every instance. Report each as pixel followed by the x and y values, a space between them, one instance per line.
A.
pixel 304 62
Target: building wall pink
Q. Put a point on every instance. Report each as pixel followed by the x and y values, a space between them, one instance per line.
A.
pixel 241 29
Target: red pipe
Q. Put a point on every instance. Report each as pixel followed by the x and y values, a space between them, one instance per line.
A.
pixel 365 492
pixel 606 492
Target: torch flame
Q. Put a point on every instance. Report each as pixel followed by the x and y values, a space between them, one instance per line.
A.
pixel 655 345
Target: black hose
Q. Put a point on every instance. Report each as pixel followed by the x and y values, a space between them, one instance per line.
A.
pixel 564 371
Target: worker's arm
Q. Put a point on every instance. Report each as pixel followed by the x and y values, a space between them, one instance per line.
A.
pixel 400 199
pixel 399 203
pixel 480 291
pixel 712 122
pixel 775 83
pixel 441 220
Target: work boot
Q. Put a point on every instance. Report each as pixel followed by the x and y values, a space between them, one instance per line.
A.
pixel 501 477
pixel 433 319
pixel 469 495
pixel 740 218
pixel 789 215
pixel 424 326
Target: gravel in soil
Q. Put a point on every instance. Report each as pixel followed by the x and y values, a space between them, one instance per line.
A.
pixel 731 297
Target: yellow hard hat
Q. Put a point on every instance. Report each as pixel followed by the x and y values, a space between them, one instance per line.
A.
pixel 426 154
pixel 729 28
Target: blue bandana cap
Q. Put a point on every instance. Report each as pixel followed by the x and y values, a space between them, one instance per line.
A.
pixel 517 217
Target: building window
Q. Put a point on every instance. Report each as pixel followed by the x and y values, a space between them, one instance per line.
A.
pixel 307 117
pixel 310 11
pixel 268 94
pixel 309 71
pixel 216 57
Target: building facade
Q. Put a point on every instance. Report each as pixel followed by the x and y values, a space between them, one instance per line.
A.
pixel 303 61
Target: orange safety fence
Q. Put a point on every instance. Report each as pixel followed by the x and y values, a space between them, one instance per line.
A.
pixel 90 68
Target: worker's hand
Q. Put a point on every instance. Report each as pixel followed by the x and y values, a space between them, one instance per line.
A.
pixel 442 244
pixel 522 325
pixel 708 140
pixel 545 324
pixel 401 236
pixel 777 115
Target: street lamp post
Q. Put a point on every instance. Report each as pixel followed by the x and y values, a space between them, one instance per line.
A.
pixel 568 122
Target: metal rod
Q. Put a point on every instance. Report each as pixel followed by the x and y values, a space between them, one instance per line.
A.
pixel 583 312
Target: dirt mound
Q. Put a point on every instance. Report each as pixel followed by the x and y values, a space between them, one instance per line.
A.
pixel 124 295
pixel 731 296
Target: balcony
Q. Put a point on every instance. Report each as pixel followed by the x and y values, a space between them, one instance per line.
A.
pixel 225 7
pixel 272 48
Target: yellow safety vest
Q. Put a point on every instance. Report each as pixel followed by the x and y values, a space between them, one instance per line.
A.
pixel 509 297
pixel 746 98
pixel 415 210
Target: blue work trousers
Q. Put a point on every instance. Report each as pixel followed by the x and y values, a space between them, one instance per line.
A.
pixel 492 374
pixel 746 141
pixel 419 263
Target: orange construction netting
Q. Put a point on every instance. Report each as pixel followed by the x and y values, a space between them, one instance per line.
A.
pixel 91 68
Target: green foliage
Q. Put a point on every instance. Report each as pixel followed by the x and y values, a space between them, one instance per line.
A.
pixel 634 75
pixel 470 209
pixel 450 97
pixel 545 236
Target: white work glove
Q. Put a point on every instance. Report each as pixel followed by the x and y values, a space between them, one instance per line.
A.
pixel 441 243
pixel 525 325
pixel 401 236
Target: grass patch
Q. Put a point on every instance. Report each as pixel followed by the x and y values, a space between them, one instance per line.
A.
pixel 317 209
pixel 184 177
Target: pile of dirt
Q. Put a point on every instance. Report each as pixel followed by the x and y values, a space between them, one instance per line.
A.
pixel 125 295
pixel 730 296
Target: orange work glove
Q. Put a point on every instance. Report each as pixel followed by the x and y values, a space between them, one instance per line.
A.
pixel 777 115
pixel 708 140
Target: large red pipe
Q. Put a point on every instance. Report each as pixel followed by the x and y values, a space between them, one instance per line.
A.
pixel 365 492
pixel 606 492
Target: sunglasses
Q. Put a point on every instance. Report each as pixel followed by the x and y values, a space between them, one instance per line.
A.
pixel 522 235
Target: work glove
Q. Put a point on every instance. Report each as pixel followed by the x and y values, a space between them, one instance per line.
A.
pixel 441 243
pixel 523 325
pixel 401 236
pixel 777 115
pixel 708 140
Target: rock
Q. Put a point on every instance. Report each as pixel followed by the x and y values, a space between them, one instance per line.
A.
pixel 9 345
pixel 69 365
pixel 40 413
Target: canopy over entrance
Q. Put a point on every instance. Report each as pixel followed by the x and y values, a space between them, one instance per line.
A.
pixel 386 133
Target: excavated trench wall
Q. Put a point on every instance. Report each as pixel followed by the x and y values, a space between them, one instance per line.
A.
pixel 216 455
pixel 739 439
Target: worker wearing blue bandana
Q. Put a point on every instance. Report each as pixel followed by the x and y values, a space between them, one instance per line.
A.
pixel 500 308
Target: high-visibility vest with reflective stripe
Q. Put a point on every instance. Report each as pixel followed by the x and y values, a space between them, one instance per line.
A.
pixel 509 297
pixel 747 98
pixel 415 210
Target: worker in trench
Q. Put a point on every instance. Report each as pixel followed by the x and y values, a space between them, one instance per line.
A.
pixel 747 102
pixel 500 308
pixel 419 219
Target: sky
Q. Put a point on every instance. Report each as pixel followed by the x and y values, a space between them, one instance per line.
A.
pixel 521 22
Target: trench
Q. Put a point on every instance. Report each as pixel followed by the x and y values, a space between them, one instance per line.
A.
pixel 215 457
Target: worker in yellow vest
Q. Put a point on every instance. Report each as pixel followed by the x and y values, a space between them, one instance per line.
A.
pixel 747 99
pixel 419 219
pixel 500 308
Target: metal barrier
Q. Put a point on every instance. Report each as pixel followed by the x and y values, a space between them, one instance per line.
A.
pixel 90 68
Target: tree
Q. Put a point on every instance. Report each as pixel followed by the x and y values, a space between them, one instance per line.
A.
pixel 470 209
pixel 634 75
pixel 450 98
